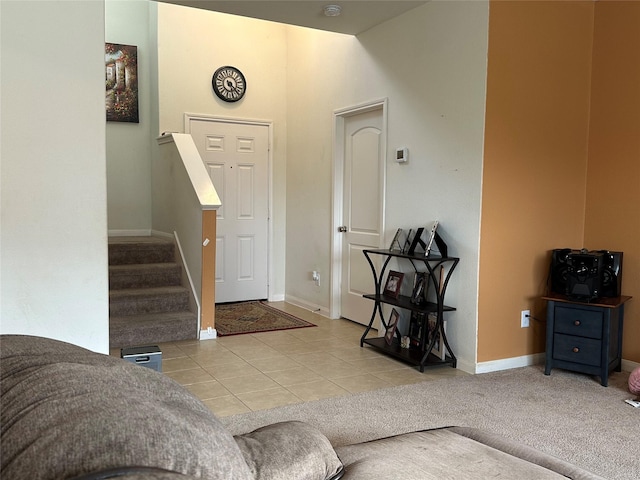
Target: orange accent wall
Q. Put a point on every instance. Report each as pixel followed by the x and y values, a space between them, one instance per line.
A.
pixel 561 158
pixel 208 299
pixel 535 163
pixel 613 173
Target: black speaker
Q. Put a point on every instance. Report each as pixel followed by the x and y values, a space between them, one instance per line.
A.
pixel 558 270
pixel 611 274
pixel 584 275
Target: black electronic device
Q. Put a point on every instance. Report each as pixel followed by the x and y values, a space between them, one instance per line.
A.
pixel 558 270
pixel 585 274
pixel 611 274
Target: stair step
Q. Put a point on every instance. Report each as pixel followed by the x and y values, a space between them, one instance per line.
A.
pixel 133 250
pixel 145 275
pixel 152 329
pixel 148 300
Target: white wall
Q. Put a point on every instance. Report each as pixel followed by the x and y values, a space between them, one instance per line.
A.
pixel 129 22
pixel 53 241
pixel 431 65
pixel 186 62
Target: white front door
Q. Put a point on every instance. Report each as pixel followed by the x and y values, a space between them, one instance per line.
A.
pixel 363 153
pixel 236 156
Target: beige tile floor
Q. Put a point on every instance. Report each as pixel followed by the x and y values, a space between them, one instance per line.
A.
pixel 242 373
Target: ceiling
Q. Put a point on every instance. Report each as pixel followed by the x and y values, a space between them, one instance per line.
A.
pixel 356 16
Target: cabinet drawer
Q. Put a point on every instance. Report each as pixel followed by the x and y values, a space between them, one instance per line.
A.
pixel 576 321
pixel 577 349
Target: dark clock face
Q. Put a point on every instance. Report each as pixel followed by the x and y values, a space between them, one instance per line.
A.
pixel 229 84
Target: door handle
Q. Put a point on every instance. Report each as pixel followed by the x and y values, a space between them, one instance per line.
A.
pixel 342 229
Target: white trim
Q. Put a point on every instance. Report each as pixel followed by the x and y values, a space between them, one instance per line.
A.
pixel 629 366
pixel 129 233
pixel 509 363
pixel 264 123
pixel 298 302
pixel 339 115
pixel 188 275
pixel 158 233
pixel 208 334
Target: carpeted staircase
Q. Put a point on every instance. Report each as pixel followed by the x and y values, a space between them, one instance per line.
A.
pixel 147 302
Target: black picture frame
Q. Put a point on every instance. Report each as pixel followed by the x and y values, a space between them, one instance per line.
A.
pixel 420 287
pixel 392 325
pixel 394 281
pixel 417 330
pixel 416 241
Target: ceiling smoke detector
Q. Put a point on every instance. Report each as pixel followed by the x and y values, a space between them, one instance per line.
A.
pixel 332 10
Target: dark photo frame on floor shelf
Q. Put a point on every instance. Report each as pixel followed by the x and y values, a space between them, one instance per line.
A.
pixel 391 326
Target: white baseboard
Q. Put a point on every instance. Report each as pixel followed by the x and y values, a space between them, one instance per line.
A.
pixel 509 363
pixel 129 233
pixel 158 233
pixel 208 334
pixel 526 360
pixel 307 305
pixel 276 298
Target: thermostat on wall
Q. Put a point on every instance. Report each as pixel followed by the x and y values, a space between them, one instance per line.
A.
pixel 402 155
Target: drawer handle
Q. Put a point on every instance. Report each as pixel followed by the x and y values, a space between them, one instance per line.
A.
pixel 577 323
pixel 576 349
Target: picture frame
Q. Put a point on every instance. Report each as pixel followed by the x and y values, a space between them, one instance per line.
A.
pixel 417 330
pixel 416 241
pixel 396 240
pixel 420 287
pixel 432 236
pixel 407 241
pixel 394 281
pixel 391 326
pixel 438 347
pixel 121 73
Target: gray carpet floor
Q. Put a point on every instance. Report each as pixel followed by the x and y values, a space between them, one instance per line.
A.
pixel 568 415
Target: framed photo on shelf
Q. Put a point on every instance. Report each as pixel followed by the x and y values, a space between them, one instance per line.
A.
pixel 416 330
pixel 394 280
pixel 438 347
pixel 396 241
pixel 420 284
pixel 391 326
pixel 432 236
pixel 416 241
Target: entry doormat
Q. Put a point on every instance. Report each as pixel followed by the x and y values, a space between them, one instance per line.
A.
pixel 252 317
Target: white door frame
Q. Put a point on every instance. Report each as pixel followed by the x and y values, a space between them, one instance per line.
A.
pixel 338 193
pixel 269 125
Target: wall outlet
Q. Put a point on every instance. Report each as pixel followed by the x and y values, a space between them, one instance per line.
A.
pixel 524 318
pixel 315 276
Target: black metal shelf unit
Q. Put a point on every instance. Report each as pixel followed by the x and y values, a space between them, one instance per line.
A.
pixel 422 357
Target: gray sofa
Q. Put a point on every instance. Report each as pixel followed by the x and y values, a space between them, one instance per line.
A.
pixel 68 413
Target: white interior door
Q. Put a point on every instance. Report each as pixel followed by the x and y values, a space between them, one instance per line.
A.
pixel 363 209
pixel 236 156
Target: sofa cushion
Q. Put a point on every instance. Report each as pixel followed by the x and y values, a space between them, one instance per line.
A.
pixel 67 411
pixel 288 450
pixel 443 453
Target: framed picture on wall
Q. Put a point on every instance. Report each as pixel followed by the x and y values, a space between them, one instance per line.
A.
pixel 121 73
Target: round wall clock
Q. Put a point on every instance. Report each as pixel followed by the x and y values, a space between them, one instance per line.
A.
pixel 229 84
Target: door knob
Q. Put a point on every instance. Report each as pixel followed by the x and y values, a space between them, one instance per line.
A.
pixel 342 229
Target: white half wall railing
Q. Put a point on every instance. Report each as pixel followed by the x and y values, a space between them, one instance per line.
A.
pixel 185 202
